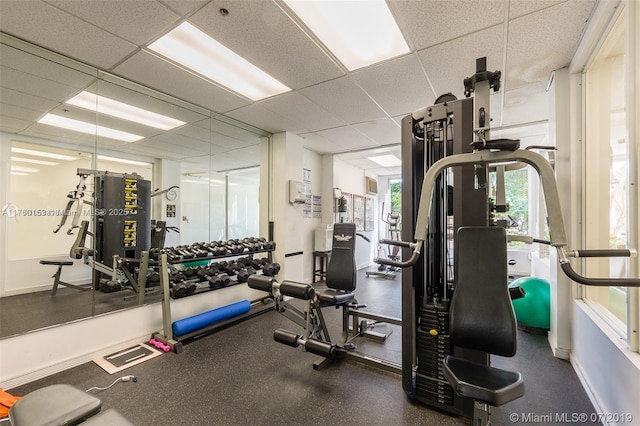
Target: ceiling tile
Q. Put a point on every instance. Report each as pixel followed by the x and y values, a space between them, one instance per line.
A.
pixel 27 101
pixel 136 21
pixel 9 123
pixel 319 144
pixel 448 64
pixel 384 131
pixel 307 116
pixel 427 23
pixel 529 57
pixel 345 99
pixel 49 27
pixel 154 72
pixel 399 86
pixel 347 138
pixel 519 8
pixel 262 118
pixel 262 33
pixel 185 7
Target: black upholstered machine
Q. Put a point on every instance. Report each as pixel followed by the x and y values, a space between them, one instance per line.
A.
pixel 336 291
pixel 456 308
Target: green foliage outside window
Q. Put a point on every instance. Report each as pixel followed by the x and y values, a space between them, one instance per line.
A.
pixel 396 196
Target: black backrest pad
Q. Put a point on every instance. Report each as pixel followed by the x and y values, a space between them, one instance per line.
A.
pixel 481 314
pixel 341 270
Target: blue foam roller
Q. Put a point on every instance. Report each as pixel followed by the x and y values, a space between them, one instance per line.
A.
pixel 196 322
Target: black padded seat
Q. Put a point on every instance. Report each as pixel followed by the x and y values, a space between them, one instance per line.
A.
pixel 333 298
pixel 54 405
pixel 498 386
pixel 329 296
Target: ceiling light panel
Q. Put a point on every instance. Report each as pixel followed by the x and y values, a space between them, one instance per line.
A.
pixel 358 32
pixel 388 160
pixel 44 154
pixel 190 47
pixel 108 106
pixel 24 169
pixel 89 128
pixel 123 160
pixel 34 161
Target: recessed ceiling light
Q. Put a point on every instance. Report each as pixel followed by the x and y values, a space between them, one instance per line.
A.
pixel 24 169
pixel 359 33
pixel 388 160
pixel 34 161
pixel 122 160
pixel 89 128
pixel 190 47
pixel 19 174
pixel 42 154
pixel 108 106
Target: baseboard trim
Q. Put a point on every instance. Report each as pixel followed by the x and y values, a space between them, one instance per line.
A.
pixel 67 364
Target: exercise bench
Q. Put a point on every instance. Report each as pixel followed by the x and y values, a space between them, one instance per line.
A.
pixel 56 277
pixel 62 404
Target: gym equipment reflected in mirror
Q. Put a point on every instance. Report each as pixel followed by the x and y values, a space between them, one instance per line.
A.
pixel 94 167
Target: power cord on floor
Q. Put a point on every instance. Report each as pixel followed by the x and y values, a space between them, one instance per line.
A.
pixel 133 379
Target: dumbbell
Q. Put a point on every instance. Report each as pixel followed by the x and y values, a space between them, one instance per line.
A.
pixel 153 279
pixel 189 272
pixel 259 263
pixel 214 281
pixel 203 273
pixel 271 269
pixel 244 274
pixel 225 280
pixel 230 268
pixel 157 344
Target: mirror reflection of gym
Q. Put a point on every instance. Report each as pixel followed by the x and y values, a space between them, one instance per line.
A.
pixel 37 87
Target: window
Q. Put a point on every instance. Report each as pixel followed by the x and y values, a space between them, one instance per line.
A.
pixel 606 165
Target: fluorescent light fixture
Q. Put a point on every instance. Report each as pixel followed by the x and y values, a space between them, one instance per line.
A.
pixel 195 181
pixel 42 154
pixel 388 160
pixel 195 50
pixel 19 174
pixel 359 33
pixel 84 127
pixel 122 160
pixel 34 161
pixel 108 106
pixel 24 169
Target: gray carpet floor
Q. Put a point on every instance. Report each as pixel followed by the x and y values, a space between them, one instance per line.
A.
pixel 240 376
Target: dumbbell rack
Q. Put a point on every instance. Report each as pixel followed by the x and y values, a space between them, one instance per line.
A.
pixel 167 336
pixel 199 282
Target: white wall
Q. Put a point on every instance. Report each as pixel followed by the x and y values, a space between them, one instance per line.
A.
pixel 293 232
pixel 610 371
pixel 351 179
pixel 34 355
pixel 166 175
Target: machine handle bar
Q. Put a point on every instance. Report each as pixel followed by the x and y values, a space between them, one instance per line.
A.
pixel 603 253
pixel 396 243
pixel 415 255
pixel 599 282
pixel 558 238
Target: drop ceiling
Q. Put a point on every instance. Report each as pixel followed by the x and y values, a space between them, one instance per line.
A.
pixel 333 110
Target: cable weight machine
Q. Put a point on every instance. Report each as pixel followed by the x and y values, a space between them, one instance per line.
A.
pixel 447 154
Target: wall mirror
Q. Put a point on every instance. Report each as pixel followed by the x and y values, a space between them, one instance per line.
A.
pixel 61 120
